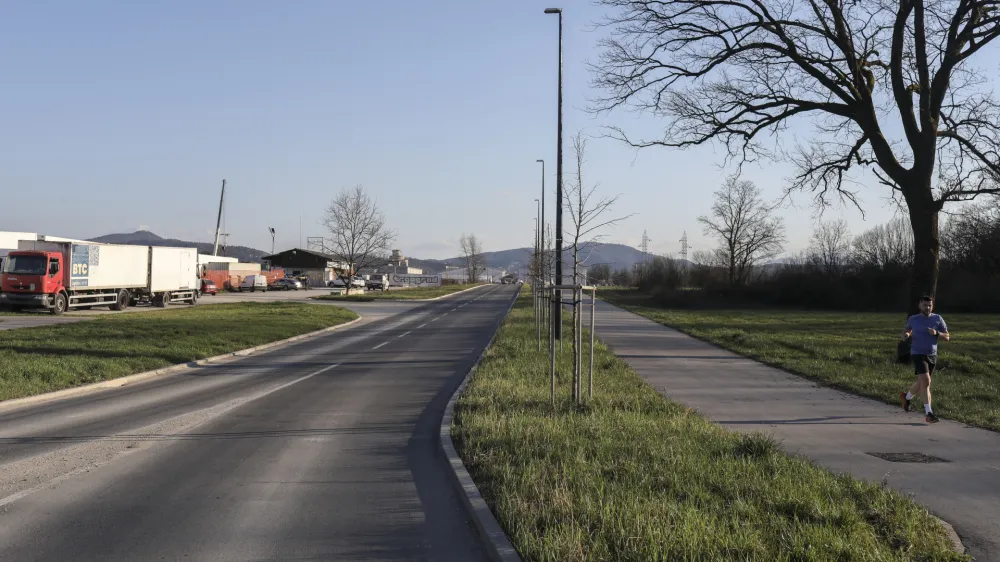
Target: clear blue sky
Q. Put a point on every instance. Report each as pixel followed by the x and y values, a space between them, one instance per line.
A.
pixel 117 115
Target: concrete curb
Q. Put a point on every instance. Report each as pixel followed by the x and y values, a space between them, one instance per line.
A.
pixel 132 379
pixel 956 541
pixel 498 545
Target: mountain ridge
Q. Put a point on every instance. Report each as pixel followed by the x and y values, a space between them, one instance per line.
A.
pixel 618 256
pixel 146 238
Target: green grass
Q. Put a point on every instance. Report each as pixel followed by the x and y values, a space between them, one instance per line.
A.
pixel 852 351
pixel 635 477
pixel 37 360
pixel 402 294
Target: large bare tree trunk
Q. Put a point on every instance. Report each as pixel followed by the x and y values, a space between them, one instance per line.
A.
pixel 924 212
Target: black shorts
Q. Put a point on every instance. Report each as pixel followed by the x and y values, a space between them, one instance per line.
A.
pixel 924 364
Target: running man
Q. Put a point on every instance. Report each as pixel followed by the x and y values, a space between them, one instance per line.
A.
pixel 925 328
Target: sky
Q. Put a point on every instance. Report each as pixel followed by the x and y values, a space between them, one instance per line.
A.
pixel 124 115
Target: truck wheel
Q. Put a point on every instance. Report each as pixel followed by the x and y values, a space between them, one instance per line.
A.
pixel 60 304
pixel 194 299
pixel 122 302
pixel 163 301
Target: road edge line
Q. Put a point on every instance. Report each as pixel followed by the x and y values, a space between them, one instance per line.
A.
pixel 498 544
pixel 56 395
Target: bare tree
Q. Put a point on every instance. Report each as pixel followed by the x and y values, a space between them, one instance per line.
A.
pixel 472 254
pixel 359 236
pixel 742 71
pixel 972 239
pixel 747 231
pixel 600 273
pixel 586 209
pixel 887 246
pixel 831 245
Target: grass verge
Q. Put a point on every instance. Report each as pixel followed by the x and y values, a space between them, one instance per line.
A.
pixel 44 359
pixel 851 351
pixel 635 477
pixel 416 293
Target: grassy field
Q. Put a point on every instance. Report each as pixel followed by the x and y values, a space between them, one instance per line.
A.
pixel 852 351
pixel 37 360
pixel 635 477
pixel 402 294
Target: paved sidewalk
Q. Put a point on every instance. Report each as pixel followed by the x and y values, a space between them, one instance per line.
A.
pixel 833 428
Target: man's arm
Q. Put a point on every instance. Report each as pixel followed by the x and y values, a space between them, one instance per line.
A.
pixel 907 330
pixel 942 330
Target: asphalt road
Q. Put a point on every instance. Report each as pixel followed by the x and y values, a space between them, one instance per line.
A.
pixel 324 450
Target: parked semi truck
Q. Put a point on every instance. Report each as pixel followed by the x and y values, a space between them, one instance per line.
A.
pixel 61 276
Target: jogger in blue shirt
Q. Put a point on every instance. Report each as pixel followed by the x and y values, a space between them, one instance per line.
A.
pixel 925 329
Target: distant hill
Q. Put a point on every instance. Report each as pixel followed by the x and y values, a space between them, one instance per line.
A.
pixel 618 256
pixel 146 238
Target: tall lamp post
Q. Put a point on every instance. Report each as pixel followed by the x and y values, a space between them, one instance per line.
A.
pixel 271 228
pixel 544 272
pixel 557 313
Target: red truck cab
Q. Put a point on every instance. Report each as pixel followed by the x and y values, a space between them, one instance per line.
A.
pixel 32 279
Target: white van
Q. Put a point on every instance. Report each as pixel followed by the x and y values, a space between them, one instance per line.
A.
pixel 253 283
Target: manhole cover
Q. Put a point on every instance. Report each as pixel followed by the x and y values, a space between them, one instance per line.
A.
pixel 908 457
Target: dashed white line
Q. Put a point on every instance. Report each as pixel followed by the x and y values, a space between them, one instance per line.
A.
pixel 380 345
pixel 401 335
pixel 422 325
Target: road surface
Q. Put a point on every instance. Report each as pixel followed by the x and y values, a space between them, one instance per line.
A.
pixel 325 450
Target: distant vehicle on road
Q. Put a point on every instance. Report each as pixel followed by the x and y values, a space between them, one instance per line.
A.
pixel 335 283
pixel 378 283
pixel 253 283
pixel 208 287
pixel 286 285
pixel 358 282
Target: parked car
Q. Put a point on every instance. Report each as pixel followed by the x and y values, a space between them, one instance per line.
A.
pixel 358 282
pixel 208 287
pixel 253 283
pixel 336 283
pixel 286 285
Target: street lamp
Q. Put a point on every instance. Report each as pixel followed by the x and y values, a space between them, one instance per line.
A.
pixel 271 228
pixel 557 314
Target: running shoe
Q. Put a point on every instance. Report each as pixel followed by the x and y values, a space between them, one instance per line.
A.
pixel 904 401
pixel 931 418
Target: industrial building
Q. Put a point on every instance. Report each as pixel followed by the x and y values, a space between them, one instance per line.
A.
pixel 318 268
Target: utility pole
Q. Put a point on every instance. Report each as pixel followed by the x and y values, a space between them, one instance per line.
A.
pixel 218 221
pixel 684 246
pixel 557 316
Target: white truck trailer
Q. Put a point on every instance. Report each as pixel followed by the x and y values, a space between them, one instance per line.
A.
pixel 61 276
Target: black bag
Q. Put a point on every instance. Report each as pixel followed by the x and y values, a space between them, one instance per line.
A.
pixel 903 350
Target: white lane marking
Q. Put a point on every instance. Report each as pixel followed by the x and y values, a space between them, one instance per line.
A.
pixel 422 325
pixel 380 345
pixel 435 318
pixel 218 410
pixel 401 335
